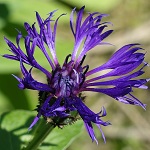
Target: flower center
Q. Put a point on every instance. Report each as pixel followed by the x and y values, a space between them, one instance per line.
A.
pixel 68 80
pixel 65 83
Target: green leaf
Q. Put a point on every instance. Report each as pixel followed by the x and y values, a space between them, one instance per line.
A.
pixel 14 129
pixel 14 132
pixel 60 139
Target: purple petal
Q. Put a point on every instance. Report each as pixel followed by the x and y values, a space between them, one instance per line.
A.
pixel 90 31
pixel 78 20
pixel 71 21
pixel 34 122
pixel 90 131
pixel 90 117
pixel 29 83
pixel 38 17
pixel 131 100
pixel 113 92
pixel 124 56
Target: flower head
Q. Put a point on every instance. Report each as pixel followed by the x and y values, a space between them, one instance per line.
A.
pixel 60 98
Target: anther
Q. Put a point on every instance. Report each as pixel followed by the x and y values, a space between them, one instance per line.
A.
pixel 83 79
pixel 86 69
pixel 66 60
pixel 54 72
pixel 81 62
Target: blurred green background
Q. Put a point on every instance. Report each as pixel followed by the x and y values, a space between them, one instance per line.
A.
pixel 130 128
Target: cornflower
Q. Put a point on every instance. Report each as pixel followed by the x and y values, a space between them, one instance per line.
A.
pixel 61 99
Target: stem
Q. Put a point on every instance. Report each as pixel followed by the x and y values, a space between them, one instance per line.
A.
pixel 41 132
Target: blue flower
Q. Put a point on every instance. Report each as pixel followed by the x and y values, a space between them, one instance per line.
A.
pixel 62 95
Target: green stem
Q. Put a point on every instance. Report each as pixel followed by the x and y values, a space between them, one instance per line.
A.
pixel 41 132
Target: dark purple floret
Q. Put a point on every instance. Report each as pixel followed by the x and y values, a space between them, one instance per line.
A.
pixel 61 97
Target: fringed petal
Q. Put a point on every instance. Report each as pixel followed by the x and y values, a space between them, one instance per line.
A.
pixel 90 117
pixel 89 32
pixel 125 56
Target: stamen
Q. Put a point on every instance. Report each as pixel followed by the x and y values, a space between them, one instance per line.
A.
pixel 54 72
pixel 81 62
pixel 86 69
pixel 83 79
pixel 66 60
pixel 76 75
pixel 59 79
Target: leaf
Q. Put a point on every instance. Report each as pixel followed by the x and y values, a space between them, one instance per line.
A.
pixel 60 139
pixel 14 127
pixel 14 132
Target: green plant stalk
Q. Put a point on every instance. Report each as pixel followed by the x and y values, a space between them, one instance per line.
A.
pixel 41 132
